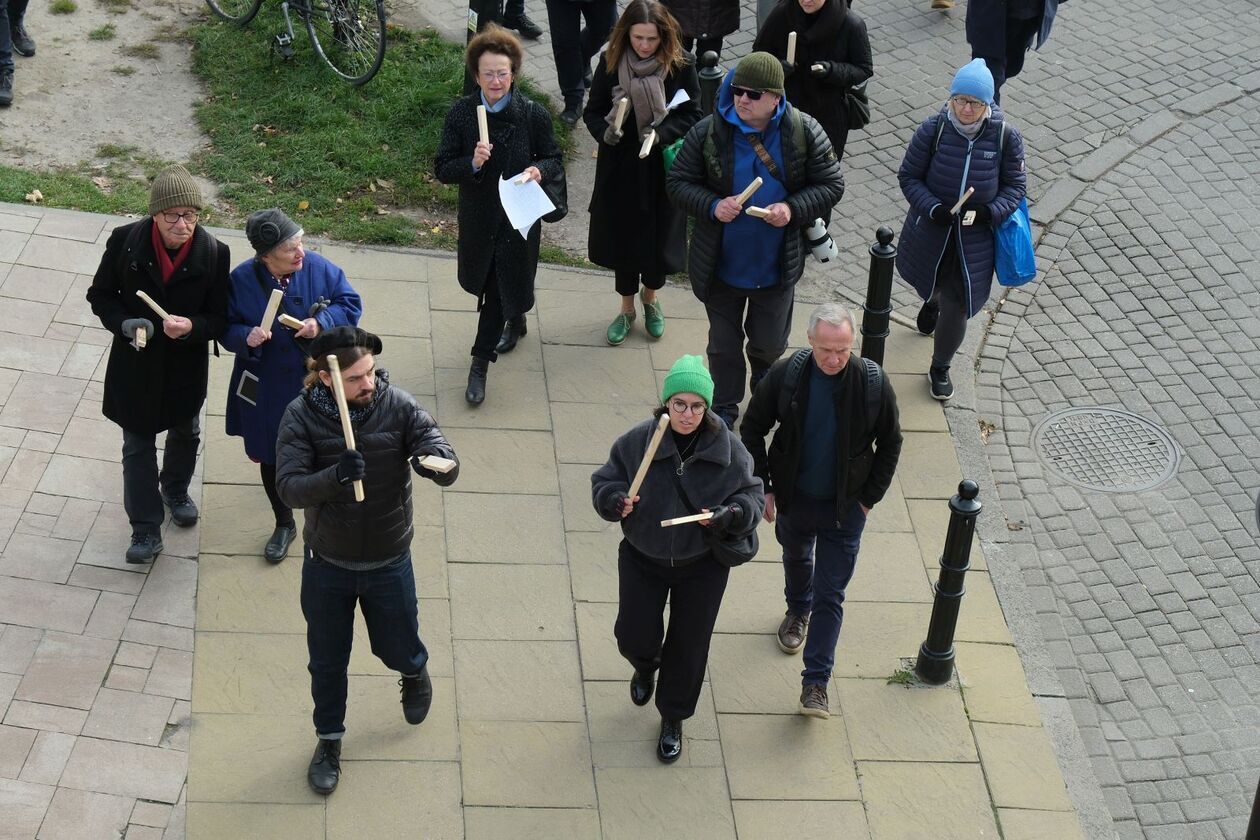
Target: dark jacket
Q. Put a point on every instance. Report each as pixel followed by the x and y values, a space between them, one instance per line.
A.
pixel 522 136
pixel 279 364
pixel 151 390
pixel 835 35
pixel 867 456
pixel 929 178
pixel 986 26
pixel 343 531
pixel 705 18
pixel 701 176
pixel 634 225
pixel 718 472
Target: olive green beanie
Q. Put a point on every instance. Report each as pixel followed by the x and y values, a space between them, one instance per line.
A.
pixel 759 71
pixel 688 376
pixel 174 187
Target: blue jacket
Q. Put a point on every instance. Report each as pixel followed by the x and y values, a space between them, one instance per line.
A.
pixel 279 364
pixel 940 176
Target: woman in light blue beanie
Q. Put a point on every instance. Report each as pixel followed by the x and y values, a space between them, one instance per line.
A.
pixel 946 250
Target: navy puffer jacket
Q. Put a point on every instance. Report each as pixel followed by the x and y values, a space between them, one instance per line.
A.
pixel 930 177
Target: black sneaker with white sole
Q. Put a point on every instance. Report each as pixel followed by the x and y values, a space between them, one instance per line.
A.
pixel 938 380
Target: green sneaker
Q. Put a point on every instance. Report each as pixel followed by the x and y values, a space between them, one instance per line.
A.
pixel 653 318
pixel 620 328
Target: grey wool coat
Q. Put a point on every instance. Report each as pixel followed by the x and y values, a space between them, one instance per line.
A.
pixel 522 136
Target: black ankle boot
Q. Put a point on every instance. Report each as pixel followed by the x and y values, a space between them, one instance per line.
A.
pixel 476 393
pixel 512 332
pixel 325 769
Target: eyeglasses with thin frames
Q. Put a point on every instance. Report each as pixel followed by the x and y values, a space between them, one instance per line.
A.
pixel 173 218
pixel 966 102
pixel 680 407
pixel 500 76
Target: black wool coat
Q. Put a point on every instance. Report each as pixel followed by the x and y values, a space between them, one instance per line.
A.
pixel 522 136
pixel 837 36
pixel 148 391
pixel 634 225
pixel 711 18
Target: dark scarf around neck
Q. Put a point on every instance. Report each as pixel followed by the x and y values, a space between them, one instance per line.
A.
pixel 320 397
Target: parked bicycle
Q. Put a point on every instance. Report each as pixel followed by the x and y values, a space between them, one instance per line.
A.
pixel 349 35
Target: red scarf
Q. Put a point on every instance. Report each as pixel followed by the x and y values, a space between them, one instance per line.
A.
pixel 166 265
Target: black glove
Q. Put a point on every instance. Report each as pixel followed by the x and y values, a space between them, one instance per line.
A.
pixel 617 505
pixel 940 215
pixel 983 214
pixel 351 466
pixel 130 326
pixel 820 68
pixel 724 518
pixel 441 479
pixel 788 69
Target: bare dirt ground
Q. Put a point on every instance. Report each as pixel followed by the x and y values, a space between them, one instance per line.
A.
pixel 73 96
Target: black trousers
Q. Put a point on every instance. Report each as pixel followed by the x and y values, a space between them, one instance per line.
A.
pixel 702 45
pixel 681 653
pixel 1019 33
pixel 767 325
pixel 490 319
pixel 143 485
pixel 628 282
pixel 951 297
pixel 282 512
pixel 573 45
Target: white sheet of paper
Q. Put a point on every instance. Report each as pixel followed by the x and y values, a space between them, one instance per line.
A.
pixel 679 98
pixel 524 204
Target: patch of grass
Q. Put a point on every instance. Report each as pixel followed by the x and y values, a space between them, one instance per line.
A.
pixel 170 32
pixel 111 192
pixel 902 677
pixel 114 150
pixel 287 132
pixel 116 7
pixel 147 50
pixel 122 69
pixel 63 7
pixel 555 255
pixel 105 33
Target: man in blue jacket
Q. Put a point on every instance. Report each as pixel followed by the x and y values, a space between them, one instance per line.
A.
pixel 1001 31
pixel 744 268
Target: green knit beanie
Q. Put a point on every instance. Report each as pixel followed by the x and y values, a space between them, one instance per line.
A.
pixel 174 187
pixel 759 71
pixel 688 376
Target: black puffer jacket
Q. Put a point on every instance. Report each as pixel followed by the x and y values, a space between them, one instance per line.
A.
pixel 701 175
pixel 867 457
pixel 345 532
pixel 718 472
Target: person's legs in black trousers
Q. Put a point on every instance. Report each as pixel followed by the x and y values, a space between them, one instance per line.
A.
pixel 286 529
pixel 725 308
pixel 951 326
pixel 489 331
pixel 695 595
pixel 564 21
pixel 768 325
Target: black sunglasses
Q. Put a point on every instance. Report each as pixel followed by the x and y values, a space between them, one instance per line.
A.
pixel 753 95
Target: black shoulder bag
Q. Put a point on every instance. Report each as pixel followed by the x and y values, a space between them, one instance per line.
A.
pixel 727 550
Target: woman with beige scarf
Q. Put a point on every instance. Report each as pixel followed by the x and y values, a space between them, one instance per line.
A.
pixel 635 230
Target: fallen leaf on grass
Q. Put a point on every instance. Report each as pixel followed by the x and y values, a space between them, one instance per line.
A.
pixel 35 197
pixel 304 205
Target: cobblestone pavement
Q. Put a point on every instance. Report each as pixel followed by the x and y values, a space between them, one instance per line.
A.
pixel 1142 153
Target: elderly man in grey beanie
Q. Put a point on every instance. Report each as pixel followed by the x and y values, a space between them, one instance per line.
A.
pixel 158 384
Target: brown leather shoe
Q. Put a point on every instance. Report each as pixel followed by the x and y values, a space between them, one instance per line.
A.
pixel 792 632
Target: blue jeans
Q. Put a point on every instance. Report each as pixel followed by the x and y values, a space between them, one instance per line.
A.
pixel 387 597
pixel 818 559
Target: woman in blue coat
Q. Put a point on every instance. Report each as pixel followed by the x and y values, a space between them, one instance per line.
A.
pixel 948 257
pixel 270 360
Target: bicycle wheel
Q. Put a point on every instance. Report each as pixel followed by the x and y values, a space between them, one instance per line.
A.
pixel 350 36
pixel 239 12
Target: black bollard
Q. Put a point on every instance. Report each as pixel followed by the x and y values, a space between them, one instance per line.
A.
pixel 480 13
pixel 710 77
pixel 878 296
pixel 936 655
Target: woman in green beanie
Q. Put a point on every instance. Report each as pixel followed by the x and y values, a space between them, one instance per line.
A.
pixel 698 466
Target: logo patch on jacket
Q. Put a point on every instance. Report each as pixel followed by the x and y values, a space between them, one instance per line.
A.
pixel 989 155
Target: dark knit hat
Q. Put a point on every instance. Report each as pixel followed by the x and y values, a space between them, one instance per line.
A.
pixel 759 71
pixel 268 228
pixel 330 341
pixel 688 376
pixel 174 187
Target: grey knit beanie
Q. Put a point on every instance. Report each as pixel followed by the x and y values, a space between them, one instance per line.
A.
pixel 174 187
pixel 268 228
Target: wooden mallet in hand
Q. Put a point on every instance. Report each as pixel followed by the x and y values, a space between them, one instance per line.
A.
pixel 954 210
pixel 339 391
pixel 483 127
pixel 273 306
pixel 748 191
pixel 653 444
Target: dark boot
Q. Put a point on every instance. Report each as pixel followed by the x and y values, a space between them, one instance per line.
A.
pixel 669 747
pixel 476 393
pixel 524 25
pixel 641 685
pixel 417 696
pixel 23 43
pixel 6 88
pixel 325 769
pixel 512 332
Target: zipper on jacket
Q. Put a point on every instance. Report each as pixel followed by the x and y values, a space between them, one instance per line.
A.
pixel 962 255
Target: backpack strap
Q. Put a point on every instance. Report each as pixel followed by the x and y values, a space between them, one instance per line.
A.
pixel 874 381
pixel 796 364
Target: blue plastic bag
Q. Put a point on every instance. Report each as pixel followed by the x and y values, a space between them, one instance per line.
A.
pixel 1013 247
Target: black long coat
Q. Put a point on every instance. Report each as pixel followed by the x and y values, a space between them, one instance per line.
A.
pixel 711 18
pixel 842 40
pixel 634 225
pixel 151 390
pixel 522 136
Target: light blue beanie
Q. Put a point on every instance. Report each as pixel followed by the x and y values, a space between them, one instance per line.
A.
pixel 974 80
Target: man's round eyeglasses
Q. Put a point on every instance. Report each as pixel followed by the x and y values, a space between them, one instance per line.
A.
pixel 173 218
pixel 680 407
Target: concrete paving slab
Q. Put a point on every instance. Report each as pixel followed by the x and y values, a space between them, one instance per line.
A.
pixel 749 679
pixel 874 639
pixel 235 595
pixel 646 802
pixel 252 674
pixel 493 528
pixel 377 731
pixel 230 821
pixel 787 757
pixel 1020 767
pixel 753 602
pixel 127 716
pixel 895 723
pixel 992 680
pixel 516 680
pixel 136 771
pixel 47 758
pixel 398 309
pixel 373 807
pixel 903 797
pixel 66 670
pixel 585 433
pixel 1038 825
pixel 513 400
pixel 769 820
pixel 527 764
pixel 529 823
pixel 575 500
pixel 410 366
pixel 609 375
pixel 523 603
pixel 596 644
pixel 483 452
pixel 889 569
pixel 280 747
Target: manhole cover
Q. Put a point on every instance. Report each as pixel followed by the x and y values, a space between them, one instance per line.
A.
pixel 1105 449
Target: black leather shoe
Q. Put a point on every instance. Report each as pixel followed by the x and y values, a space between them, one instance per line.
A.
pixel 23 44
pixel 278 546
pixel 669 747
pixel 512 332
pixel 525 26
pixel 571 114
pixel 476 392
pixel 144 548
pixel 417 696
pixel 641 685
pixel 325 769
pixel 183 511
